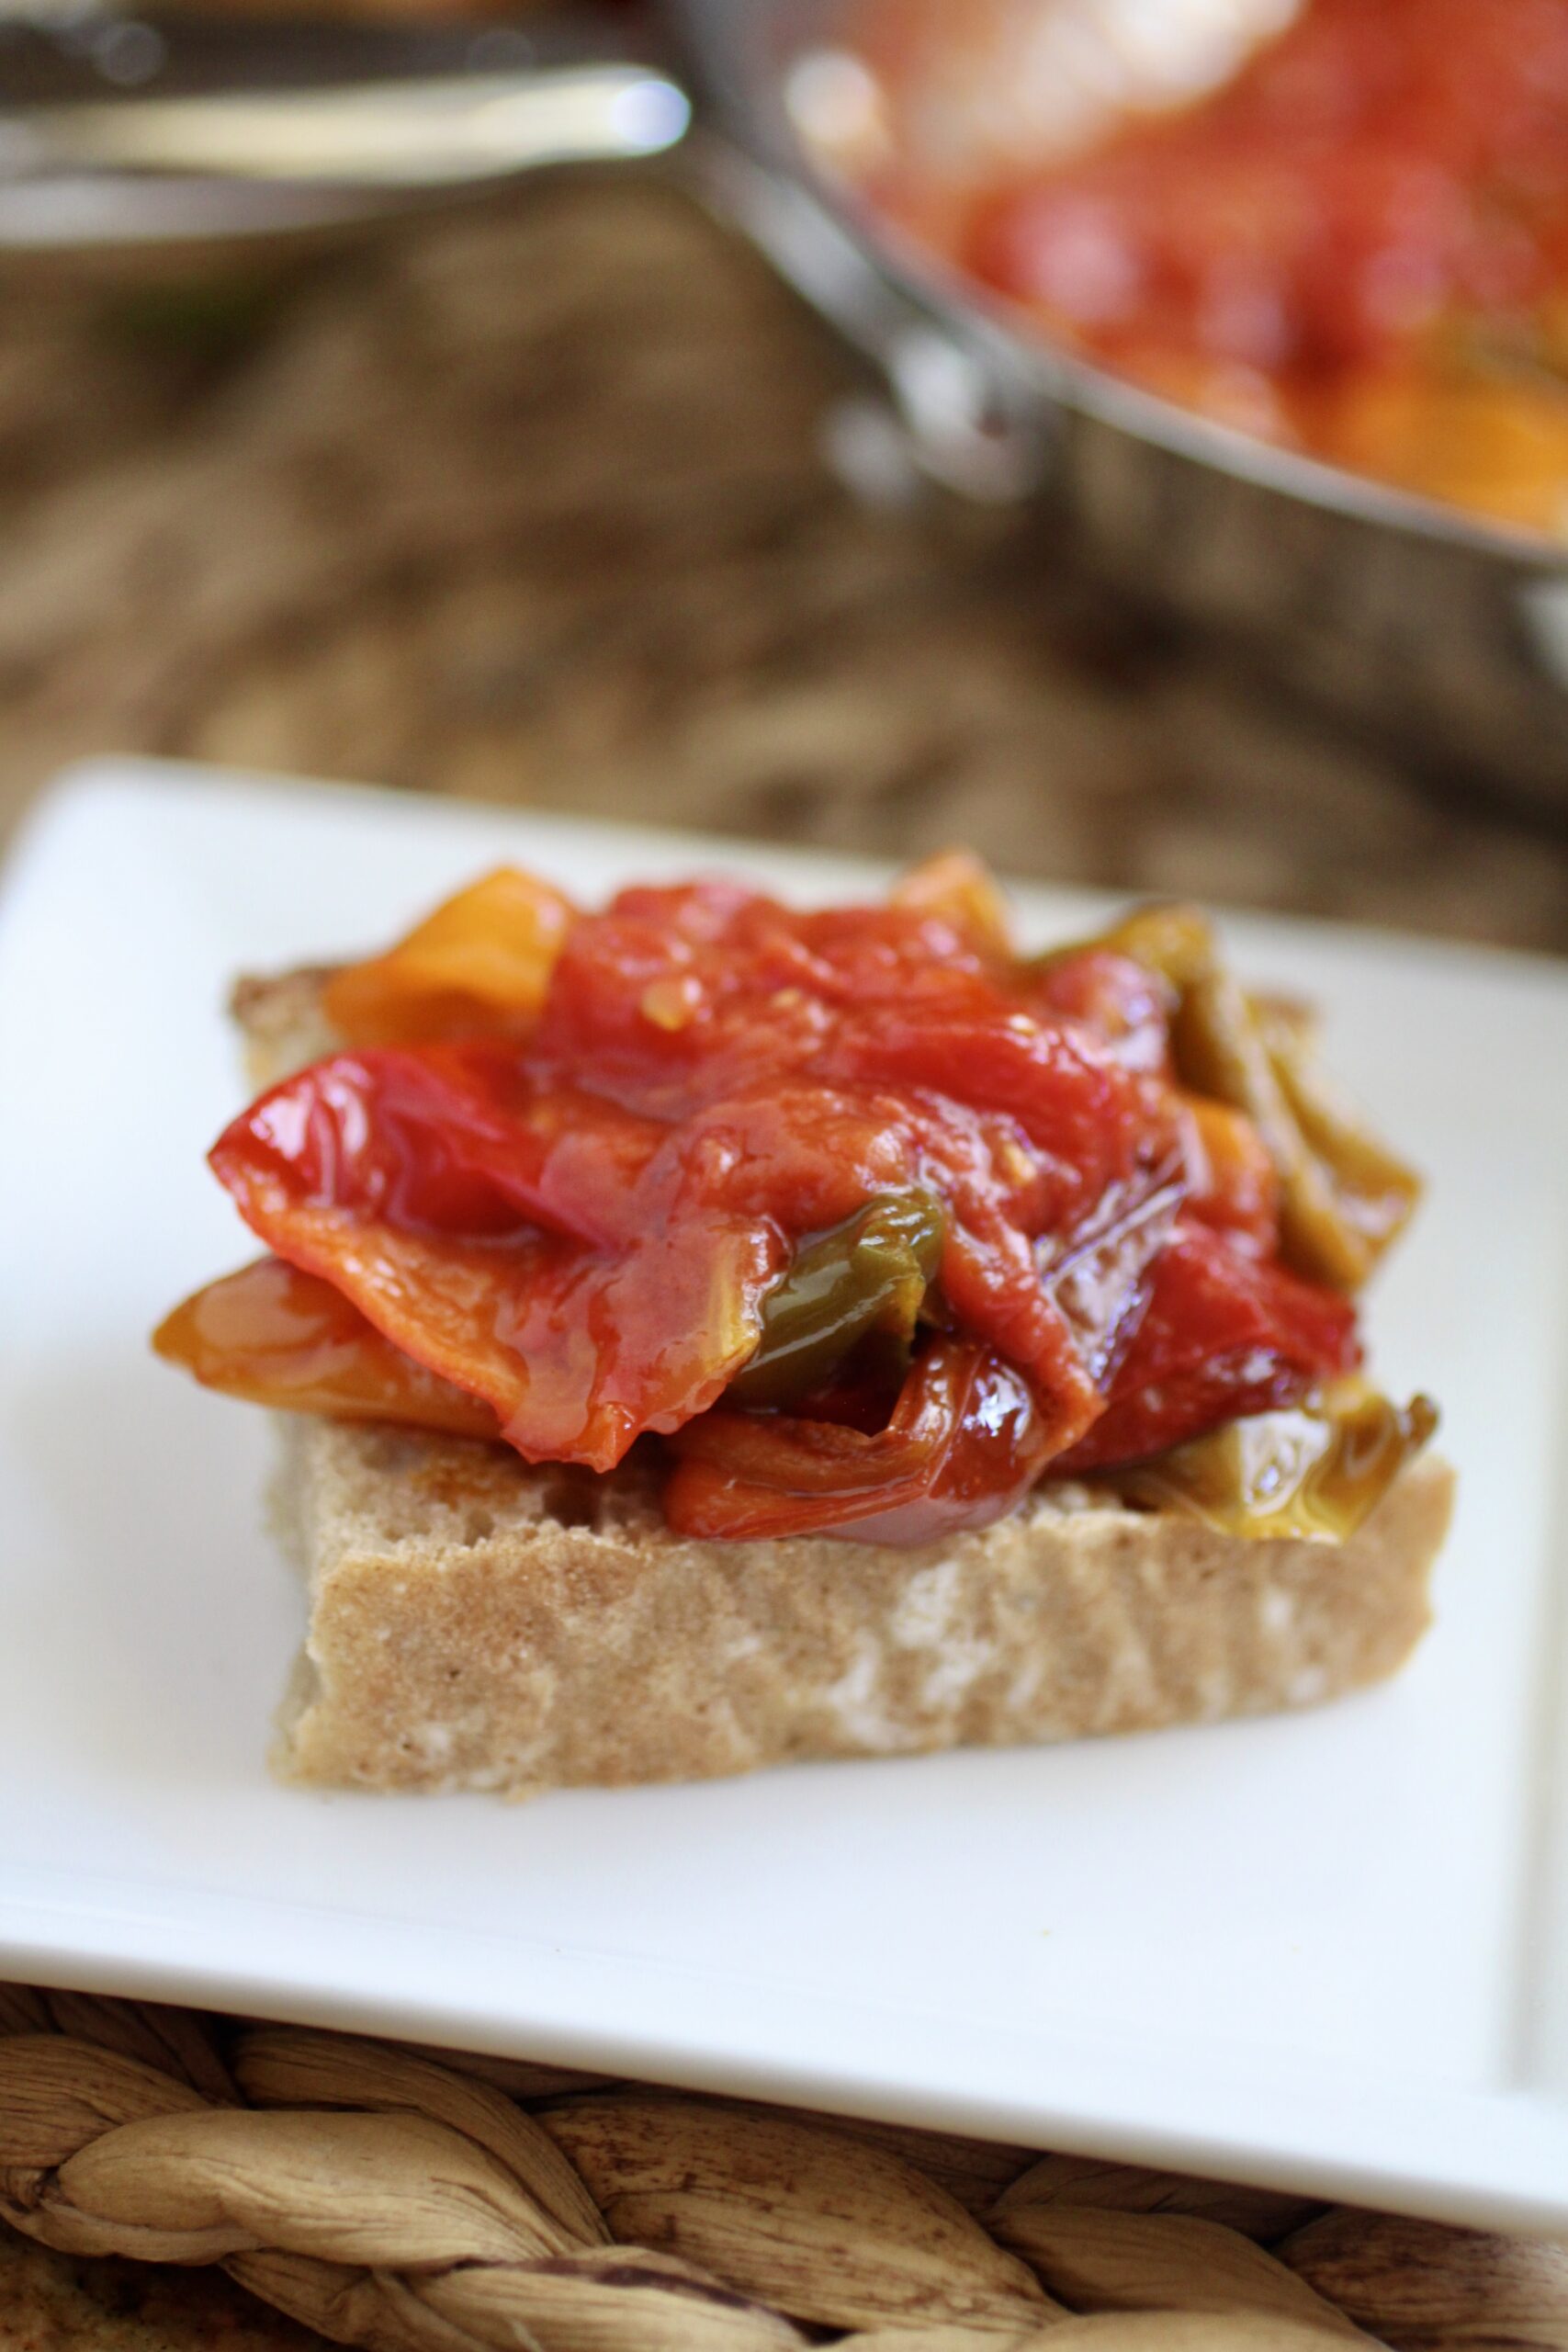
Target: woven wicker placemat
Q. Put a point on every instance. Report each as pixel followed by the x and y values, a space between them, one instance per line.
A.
pixel 421 2201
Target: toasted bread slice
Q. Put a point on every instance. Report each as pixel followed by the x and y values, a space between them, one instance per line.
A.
pixel 477 1624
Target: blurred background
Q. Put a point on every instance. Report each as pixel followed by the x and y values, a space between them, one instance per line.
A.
pixel 1155 473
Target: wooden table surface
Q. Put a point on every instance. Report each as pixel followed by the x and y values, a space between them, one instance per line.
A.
pixel 528 503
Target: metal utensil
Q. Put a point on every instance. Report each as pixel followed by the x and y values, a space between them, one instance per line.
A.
pixel 438 131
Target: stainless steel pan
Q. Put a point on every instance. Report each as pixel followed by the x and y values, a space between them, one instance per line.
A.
pixel 1440 632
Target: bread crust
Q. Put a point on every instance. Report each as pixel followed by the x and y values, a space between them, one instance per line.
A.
pixel 476 1623
pixel 282 1022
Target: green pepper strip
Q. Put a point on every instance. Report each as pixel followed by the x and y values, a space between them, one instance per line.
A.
pixel 1314 1473
pixel 1343 1194
pixel 1375 1192
pixel 868 1275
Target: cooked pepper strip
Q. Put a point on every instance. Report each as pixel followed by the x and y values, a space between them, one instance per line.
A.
pixel 539 1249
pixel 872 1219
pixel 278 1337
pixel 1174 940
pixel 1232 1182
pixel 954 886
pixel 479 964
pixel 966 1441
pixel 1343 1195
pixel 1375 1193
pixel 868 1275
pixel 1222 1335
pixel 1314 1472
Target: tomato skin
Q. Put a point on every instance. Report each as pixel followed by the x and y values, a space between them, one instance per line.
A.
pixel 1121 1003
pixel 1086 1118
pixel 1222 1335
pixel 458 1139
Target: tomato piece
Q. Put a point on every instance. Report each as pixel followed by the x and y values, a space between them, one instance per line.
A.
pixel 707 989
pixel 278 1337
pixel 1223 1334
pixel 966 1441
pixel 1087 1120
pixel 481 963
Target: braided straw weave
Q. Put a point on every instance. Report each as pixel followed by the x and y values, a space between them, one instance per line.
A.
pixel 392 2196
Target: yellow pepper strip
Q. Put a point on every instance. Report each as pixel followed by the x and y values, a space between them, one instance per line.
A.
pixel 956 884
pixel 1374 1191
pixel 1343 1194
pixel 1311 1474
pixel 1219 1052
pixel 481 963
pixel 1173 940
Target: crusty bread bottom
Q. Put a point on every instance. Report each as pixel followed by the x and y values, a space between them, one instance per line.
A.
pixel 479 1624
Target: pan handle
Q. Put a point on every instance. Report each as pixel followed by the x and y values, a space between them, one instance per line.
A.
pixel 378 114
pixel 954 407
pixel 390 132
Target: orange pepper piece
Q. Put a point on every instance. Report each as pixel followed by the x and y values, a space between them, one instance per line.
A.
pixel 479 967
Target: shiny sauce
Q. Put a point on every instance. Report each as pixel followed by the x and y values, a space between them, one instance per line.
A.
pixel 869 1219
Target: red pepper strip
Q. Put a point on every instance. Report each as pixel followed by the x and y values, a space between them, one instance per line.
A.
pixel 967 1439
pixel 1223 1334
pixel 278 1337
pixel 450 1140
pixel 402 1180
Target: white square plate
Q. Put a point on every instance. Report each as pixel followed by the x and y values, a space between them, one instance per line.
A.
pixel 1328 1952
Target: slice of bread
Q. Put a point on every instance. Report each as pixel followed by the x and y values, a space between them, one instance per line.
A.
pixel 477 1624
